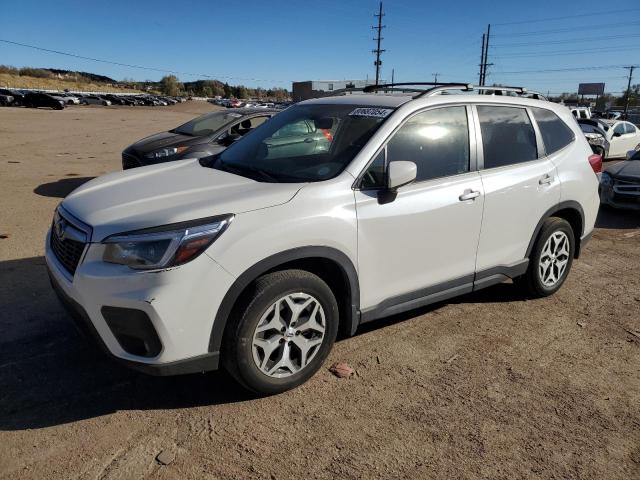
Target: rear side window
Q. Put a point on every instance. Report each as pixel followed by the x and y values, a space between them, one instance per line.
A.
pixel 629 128
pixel 437 141
pixel 507 136
pixel 555 133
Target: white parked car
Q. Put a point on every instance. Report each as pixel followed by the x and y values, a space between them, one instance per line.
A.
pixel 257 257
pixel 622 136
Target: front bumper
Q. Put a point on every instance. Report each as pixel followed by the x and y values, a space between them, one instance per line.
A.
pixel 620 194
pixel 179 305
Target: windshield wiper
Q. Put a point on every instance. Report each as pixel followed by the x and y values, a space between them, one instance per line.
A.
pixel 246 171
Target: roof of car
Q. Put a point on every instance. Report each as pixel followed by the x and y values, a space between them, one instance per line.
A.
pixel 400 98
pixel 378 100
pixel 250 110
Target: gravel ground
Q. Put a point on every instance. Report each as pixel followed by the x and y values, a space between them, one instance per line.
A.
pixel 489 385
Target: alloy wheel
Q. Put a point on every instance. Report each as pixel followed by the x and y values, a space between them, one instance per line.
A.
pixel 554 259
pixel 288 335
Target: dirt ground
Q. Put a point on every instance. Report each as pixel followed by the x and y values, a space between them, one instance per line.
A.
pixel 489 385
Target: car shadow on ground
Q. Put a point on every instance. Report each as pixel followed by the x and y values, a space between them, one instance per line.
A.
pixel 51 375
pixel 61 188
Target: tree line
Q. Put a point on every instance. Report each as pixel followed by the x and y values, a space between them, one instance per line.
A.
pixel 170 85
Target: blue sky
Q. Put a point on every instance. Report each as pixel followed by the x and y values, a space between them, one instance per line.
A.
pixel 271 43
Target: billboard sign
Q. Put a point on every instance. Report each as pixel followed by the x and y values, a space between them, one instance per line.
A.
pixel 591 89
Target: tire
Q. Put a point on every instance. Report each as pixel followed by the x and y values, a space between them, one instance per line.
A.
pixel 540 280
pixel 599 151
pixel 253 324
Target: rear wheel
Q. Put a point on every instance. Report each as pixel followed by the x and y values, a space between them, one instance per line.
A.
pixel 550 259
pixel 284 334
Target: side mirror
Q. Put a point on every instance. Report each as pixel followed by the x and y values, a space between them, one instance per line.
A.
pixel 617 134
pixel 401 173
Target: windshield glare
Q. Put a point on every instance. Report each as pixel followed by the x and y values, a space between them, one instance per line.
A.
pixel 207 124
pixel 305 143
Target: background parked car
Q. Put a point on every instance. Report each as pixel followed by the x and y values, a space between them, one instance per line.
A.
pixel 6 100
pixel 622 136
pixel 69 99
pixel 596 137
pixel 36 100
pixel 620 183
pixel 17 96
pixel 203 136
pixel 95 100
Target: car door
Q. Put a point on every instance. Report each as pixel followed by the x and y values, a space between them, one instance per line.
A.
pixel 617 141
pixel 520 184
pixel 631 137
pixel 420 241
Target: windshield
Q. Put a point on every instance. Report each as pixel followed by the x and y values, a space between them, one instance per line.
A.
pixel 207 124
pixel 586 128
pixel 305 143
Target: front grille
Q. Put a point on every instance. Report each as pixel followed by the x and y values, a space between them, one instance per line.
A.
pixel 129 161
pixel 67 251
pixel 625 187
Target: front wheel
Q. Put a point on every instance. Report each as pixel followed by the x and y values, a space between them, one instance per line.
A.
pixel 283 334
pixel 550 260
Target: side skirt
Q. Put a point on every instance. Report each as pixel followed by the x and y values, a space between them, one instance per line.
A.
pixel 444 291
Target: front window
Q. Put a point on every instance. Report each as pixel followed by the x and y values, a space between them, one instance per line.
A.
pixel 305 143
pixel 207 124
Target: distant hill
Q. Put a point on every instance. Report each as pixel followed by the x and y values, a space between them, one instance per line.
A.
pixel 91 76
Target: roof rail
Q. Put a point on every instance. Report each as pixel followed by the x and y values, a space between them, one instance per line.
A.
pixel 439 88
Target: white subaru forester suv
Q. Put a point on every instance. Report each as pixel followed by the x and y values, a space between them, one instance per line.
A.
pixel 336 212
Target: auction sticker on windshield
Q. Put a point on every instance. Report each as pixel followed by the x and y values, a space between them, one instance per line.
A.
pixel 371 112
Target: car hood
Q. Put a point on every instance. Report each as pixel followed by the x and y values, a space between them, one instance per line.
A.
pixel 166 139
pixel 628 168
pixel 168 193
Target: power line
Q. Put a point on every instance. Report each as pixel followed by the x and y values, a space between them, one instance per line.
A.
pixel 557 70
pixel 569 29
pixel 549 19
pixel 378 51
pixel 558 42
pixel 139 67
pixel 569 52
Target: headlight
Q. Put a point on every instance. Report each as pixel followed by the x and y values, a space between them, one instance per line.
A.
pixel 595 139
pixel 605 179
pixel 164 247
pixel 166 152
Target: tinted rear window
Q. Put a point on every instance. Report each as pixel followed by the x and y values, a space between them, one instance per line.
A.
pixel 507 136
pixel 555 133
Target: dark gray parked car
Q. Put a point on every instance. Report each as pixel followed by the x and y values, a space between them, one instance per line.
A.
pixel 203 136
pixel 620 183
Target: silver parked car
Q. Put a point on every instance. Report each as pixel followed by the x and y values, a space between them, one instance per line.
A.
pixel 95 100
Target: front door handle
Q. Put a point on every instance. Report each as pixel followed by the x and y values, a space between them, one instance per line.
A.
pixel 546 180
pixel 469 195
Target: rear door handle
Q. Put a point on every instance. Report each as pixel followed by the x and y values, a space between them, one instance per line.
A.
pixel 546 180
pixel 469 195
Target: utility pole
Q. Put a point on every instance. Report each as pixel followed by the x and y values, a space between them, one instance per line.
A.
pixel 393 74
pixel 485 60
pixel 628 94
pixel 378 51
pixel 435 77
pixel 481 60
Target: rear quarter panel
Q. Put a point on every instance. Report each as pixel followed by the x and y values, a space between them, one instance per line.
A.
pixel 578 181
